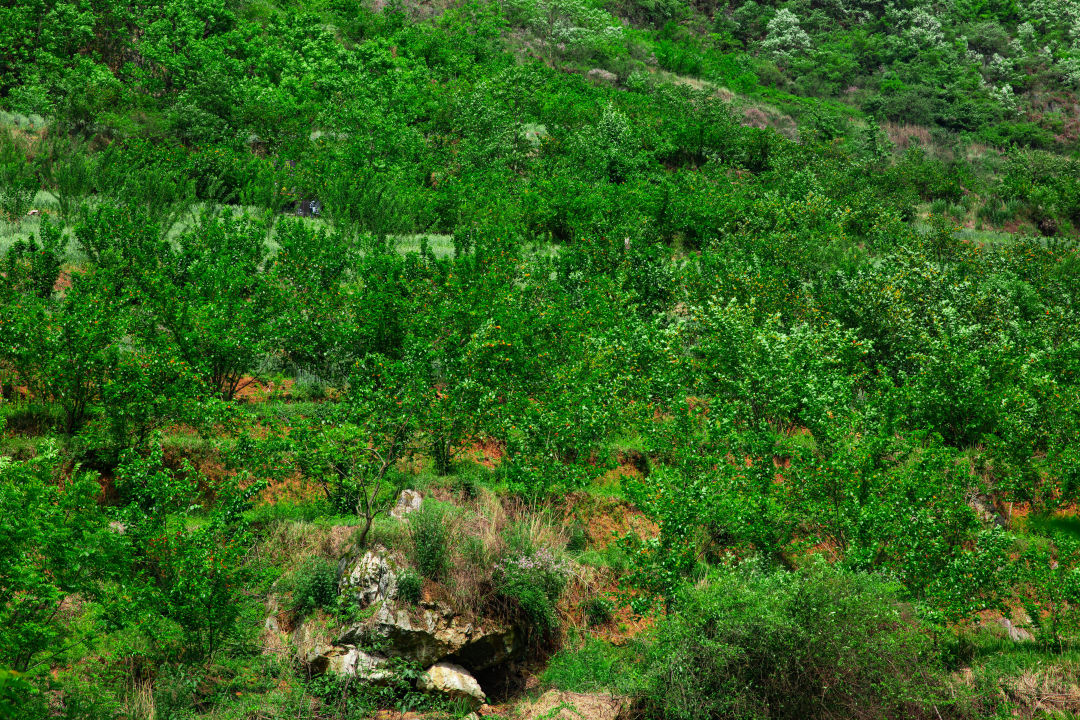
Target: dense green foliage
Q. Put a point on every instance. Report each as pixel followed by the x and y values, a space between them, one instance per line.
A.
pixel 757 647
pixel 429 540
pixel 722 238
pixel 313 586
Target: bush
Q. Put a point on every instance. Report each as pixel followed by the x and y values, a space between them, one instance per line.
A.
pixel 308 390
pixel 429 541
pixel 341 696
pixel 578 541
pixel 533 582
pixel 823 643
pixel 410 587
pixel 600 611
pixel 595 666
pixel 314 585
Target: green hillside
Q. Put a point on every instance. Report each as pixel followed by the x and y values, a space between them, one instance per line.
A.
pixel 539 359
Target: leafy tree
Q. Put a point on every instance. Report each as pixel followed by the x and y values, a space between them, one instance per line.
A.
pixel 54 539
pixel 31 267
pixel 354 458
pixel 68 347
pixel 316 325
pixel 209 294
pixel 785 36
pixel 171 574
pixel 564 25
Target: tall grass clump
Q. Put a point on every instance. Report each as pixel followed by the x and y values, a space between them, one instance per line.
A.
pixel 429 534
pixel 314 585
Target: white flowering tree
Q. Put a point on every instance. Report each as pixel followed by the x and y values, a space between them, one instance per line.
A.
pixel 785 36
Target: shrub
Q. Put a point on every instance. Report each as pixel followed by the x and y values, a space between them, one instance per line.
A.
pixel 16 199
pixel 824 643
pixel 578 541
pixel 410 586
pixel 308 390
pixel 429 541
pixel 314 585
pixel 534 583
pixel 600 610
pixel 595 666
pixel 343 697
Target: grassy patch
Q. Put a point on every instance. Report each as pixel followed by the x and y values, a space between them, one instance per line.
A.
pixel 593 665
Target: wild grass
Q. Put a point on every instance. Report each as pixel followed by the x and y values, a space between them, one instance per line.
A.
pixel 1020 679
pixel 456 546
pixel 612 557
pixel 139 703
pixel 588 664
pixel 904 135
pixel 32 122
pixel 428 535
pixel 28 418
pixel 47 204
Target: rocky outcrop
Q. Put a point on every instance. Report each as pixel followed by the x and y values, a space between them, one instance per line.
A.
pixel 602 76
pixel 318 655
pixel 408 501
pixel 987 510
pixel 431 632
pixel 370 579
pixel 1016 634
pixel 428 633
pixel 353 661
pixel 453 681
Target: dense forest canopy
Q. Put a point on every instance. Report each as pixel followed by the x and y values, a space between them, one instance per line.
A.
pixel 670 360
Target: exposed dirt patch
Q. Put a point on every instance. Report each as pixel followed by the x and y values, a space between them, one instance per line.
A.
pixel 250 389
pixel 398 715
pixel 487 452
pixel 204 459
pixel 295 489
pixel 629 466
pixel 109 493
pixel 557 705
pixel 606 519
pixel 63 281
pixel 601 584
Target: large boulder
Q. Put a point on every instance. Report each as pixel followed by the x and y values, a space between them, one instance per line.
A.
pixel 311 640
pixel 431 631
pixel 453 681
pixel 427 633
pixel 318 655
pixel 357 663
